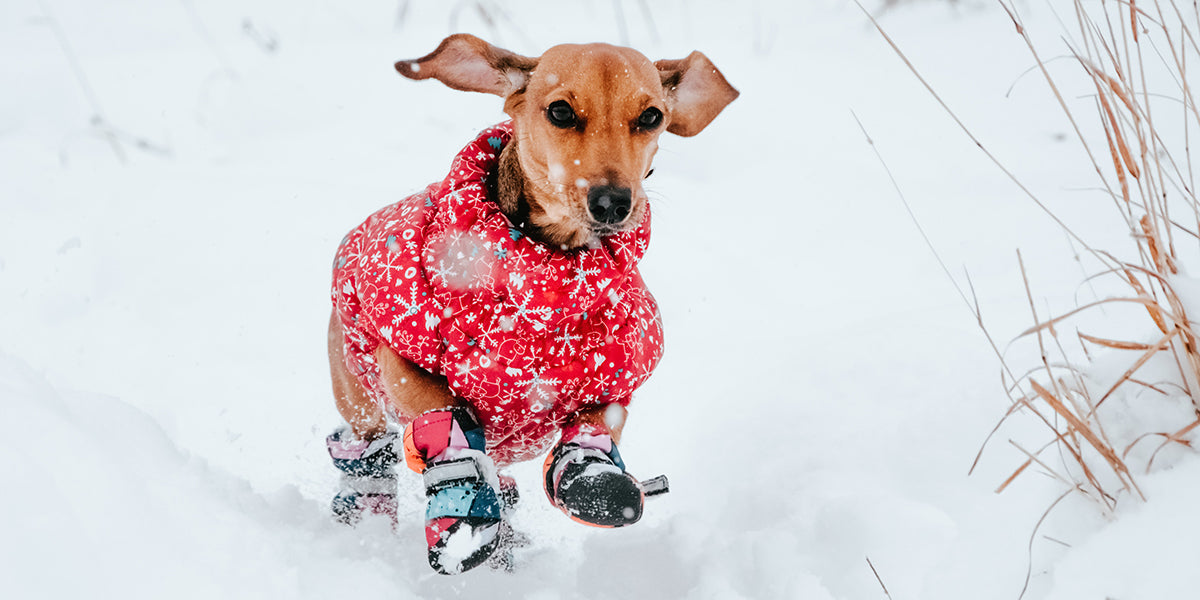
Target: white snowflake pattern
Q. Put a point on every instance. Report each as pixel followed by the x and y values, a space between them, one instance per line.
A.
pixel 621 245
pixel 580 280
pixel 603 381
pixel 524 311
pixel 445 272
pixel 542 391
pixel 393 264
pixel 412 305
pixel 361 261
pixel 508 395
pixel 567 340
pixel 465 368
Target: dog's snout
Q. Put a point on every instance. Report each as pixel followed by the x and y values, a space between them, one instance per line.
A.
pixel 608 204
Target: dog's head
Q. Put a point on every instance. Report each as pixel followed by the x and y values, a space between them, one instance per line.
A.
pixel 586 122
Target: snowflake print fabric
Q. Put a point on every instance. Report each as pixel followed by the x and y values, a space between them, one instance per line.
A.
pixel 529 335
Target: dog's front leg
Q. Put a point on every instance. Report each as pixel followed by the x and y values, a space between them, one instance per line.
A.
pixel 444 441
pixel 609 418
pixel 585 476
pixel 412 390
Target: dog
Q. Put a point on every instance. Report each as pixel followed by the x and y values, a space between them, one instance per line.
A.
pixel 499 315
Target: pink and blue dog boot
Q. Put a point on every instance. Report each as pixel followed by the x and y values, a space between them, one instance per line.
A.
pixel 586 479
pixel 463 519
pixel 368 483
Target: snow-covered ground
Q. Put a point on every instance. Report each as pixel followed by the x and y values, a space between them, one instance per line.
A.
pixel 163 379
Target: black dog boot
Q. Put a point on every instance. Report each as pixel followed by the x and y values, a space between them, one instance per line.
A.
pixel 586 479
pixel 368 484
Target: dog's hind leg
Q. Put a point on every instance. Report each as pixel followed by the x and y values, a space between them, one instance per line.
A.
pixel 364 415
pixel 365 452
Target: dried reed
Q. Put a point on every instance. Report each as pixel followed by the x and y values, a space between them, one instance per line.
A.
pixel 1137 139
pixel 1111 47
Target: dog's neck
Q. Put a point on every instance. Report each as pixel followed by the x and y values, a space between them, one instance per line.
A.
pixel 508 186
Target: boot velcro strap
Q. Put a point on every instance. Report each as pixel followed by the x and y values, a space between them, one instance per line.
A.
pixel 452 470
pixel 578 455
pixel 369 485
pixel 575 454
pixel 655 486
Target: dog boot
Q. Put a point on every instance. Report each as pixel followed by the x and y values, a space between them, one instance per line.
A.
pixel 368 484
pixel 586 479
pixel 463 514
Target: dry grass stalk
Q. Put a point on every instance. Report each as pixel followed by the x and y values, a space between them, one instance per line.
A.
pixel 1118 345
pixel 1145 180
pixel 1121 48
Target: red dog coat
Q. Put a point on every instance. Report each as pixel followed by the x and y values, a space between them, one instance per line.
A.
pixel 529 335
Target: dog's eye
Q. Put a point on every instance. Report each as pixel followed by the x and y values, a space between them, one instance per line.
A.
pixel 561 114
pixel 650 118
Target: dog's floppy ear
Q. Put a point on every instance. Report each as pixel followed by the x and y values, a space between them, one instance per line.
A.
pixel 696 92
pixel 465 62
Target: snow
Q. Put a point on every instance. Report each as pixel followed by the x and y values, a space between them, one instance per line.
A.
pixel 461 544
pixel 824 391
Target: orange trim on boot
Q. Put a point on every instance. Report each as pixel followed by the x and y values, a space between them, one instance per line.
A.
pixel 412 456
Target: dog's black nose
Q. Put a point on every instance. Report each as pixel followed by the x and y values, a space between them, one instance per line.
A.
pixel 609 205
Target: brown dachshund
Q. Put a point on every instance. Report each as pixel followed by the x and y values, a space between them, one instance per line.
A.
pixel 585 126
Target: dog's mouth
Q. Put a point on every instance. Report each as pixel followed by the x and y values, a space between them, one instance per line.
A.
pixel 606 230
pixel 600 231
pixel 567 225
